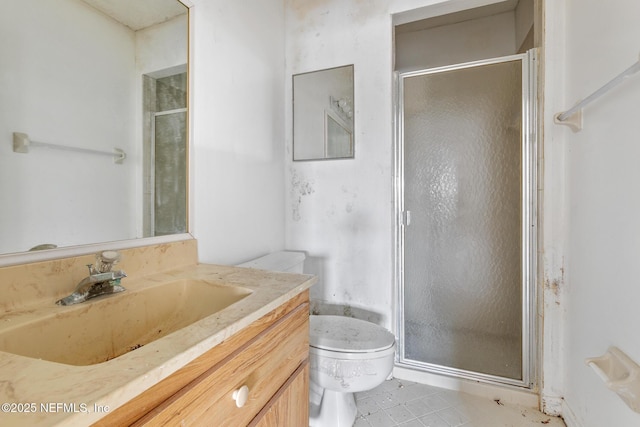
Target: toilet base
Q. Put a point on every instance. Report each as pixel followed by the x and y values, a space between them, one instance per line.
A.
pixel 336 410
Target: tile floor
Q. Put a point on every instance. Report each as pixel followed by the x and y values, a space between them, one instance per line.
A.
pixel 407 404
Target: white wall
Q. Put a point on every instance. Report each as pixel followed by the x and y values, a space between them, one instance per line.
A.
pixel 238 150
pixel 162 46
pixel 476 39
pixel 48 91
pixel 552 216
pixel 339 211
pixel 602 203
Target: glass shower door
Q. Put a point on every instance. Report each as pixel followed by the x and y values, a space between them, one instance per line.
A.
pixel 466 201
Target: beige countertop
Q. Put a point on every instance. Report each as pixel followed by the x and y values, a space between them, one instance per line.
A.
pixel 36 392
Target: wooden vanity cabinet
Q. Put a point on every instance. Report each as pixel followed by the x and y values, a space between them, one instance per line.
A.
pixel 269 357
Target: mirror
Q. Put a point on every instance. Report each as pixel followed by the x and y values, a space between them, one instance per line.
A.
pixel 93 115
pixel 323 114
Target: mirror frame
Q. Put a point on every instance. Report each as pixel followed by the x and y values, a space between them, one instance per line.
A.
pixel 16 258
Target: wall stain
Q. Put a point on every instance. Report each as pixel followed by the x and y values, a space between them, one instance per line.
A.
pixel 331 212
pixel 319 307
pixel 299 188
pixel 555 285
pixel 353 195
pixel 347 312
pixel 302 8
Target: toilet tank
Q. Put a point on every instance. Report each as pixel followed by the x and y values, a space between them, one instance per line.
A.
pixel 287 261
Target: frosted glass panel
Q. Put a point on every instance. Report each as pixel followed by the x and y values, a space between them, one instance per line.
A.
pixel 462 272
pixel 170 203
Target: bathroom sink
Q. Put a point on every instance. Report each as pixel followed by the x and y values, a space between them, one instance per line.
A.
pixel 105 328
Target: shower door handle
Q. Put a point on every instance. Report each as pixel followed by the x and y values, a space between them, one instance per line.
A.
pixel 406 218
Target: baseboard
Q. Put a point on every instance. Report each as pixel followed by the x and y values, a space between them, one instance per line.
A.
pixel 569 416
pixel 505 394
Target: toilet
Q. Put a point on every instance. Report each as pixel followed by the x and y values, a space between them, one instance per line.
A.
pixel 346 355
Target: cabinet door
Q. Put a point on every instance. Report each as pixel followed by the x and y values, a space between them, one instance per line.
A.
pixel 290 406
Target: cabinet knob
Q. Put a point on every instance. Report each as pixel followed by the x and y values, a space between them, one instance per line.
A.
pixel 241 396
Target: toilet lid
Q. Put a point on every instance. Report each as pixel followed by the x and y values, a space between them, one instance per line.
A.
pixel 348 335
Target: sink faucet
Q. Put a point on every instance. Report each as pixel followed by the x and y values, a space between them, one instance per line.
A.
pixel 101 280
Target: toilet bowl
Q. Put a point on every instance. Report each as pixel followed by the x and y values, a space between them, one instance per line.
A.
pixel 346 356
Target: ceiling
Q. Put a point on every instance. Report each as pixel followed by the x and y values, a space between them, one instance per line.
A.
pixel 139 14
pixel 464 15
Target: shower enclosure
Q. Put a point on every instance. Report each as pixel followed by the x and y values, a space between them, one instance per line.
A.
pixel 465 198
pixel 165 155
